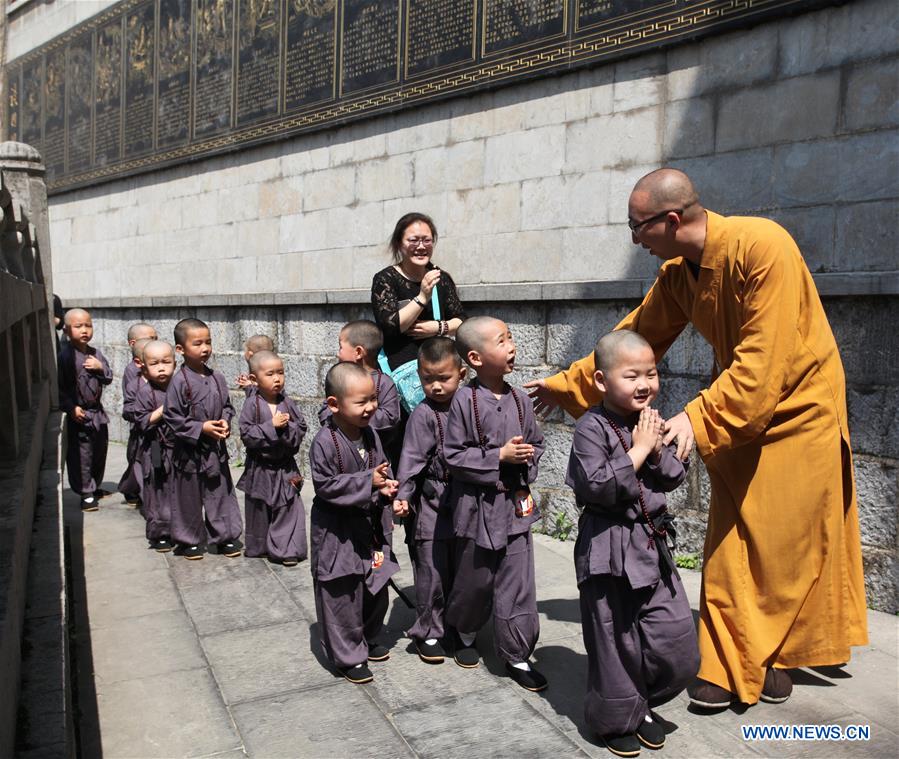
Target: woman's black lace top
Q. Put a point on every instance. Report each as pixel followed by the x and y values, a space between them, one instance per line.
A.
pixel 390 291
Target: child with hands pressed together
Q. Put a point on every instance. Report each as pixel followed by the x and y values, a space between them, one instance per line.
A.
pixel 637 625
pixel 83 373
pixel 199 412
pixel 272 428
pixel 351 536
pixel 492 448
pixel 139 335
pixel 423 476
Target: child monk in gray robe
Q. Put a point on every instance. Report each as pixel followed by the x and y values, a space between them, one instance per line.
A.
pixel 156 443
pixel 139 335
pixel 199 411
pixel 638 630
pixel 83 373
pixel 493 445
pixel 423 475
pixel 271 428
pixel 352 525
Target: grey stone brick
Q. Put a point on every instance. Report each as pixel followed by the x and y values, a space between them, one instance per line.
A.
pixel 527 325
pixel 881 579
pixel 735 182
pixel 872 95
pixel 554 463
pixel 865 333
pixel 689 128
pixel 873 420
pixel 619 139
pixel 225 337
pixel 876 485
pixel 639 82
pixel 873 158
pixel 794 109
pixel 864 238
pixel 522 155
pixel 572 331
pixel 813 231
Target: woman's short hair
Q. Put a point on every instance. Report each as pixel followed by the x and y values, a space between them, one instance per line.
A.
pixel 396 239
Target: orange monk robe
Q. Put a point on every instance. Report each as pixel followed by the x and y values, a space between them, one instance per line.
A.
pixel 782 576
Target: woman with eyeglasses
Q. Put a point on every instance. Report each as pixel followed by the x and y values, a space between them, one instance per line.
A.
pixel 403 294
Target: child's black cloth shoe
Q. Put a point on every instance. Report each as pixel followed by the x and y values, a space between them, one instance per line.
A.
pixel 229 549
pixel 432 653
pixel 529 679
pixel 162 545
pixel 358 675
pixel 89 503
pixel 622 745
pixel 651 734
pixel 377 652
pixel 192 553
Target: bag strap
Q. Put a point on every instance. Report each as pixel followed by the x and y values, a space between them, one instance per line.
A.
pixel 435 304
pixel 383 363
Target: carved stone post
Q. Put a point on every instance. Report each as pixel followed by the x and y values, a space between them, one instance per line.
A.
pixel 23 173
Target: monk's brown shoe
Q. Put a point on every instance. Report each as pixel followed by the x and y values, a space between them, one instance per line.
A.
pixel 778 686
pixel 709 696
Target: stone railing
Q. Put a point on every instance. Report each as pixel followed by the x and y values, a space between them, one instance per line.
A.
pixel 29 428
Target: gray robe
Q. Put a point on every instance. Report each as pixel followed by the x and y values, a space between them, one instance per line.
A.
pixel 130 483
pixel 154 460
pixel 423 474
pixel 203 479
pixel 274 517
pixel 637 625
pixel 349 521
pixel 86 443
pixel 493 555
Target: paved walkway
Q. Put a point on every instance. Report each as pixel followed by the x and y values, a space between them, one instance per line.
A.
pixel 221 658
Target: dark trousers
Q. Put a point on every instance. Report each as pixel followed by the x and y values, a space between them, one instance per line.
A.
pixel 278 533
pixel 502 581
pixel 197 493
pixel 85 456
pixel 350 617
pixel 432 571
pixel 641 649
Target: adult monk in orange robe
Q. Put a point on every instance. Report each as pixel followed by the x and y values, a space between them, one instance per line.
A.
pixel 782 571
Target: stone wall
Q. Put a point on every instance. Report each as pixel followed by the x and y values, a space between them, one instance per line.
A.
pixel 794 119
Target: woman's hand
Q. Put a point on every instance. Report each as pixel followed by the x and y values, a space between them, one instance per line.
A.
pixel 423 330
pixel 430 279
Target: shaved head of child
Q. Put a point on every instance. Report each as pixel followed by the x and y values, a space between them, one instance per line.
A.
pixel 141 330
pixel 138 346
pixel 609 347
pixel 258 343
pixel 360 341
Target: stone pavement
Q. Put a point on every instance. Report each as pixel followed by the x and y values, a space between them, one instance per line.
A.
pixel 220 657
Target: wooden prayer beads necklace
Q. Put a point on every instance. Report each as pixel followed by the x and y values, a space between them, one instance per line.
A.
pixel 340 467
pixel 189 390
pixel 445 477
pixel 663 533
pixel 482 438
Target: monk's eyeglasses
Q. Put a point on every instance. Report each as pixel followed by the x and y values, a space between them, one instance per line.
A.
pixel 635 226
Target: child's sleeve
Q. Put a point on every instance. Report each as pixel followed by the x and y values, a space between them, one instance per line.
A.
pixel 467 460
pixel 532 435
pixel 177 414
pixel 227 407
pixel 387 417
pixel 131 405
pixel 342 490
pixel 256 433
pixel 419 445
pixel 296 427
pixel 595 474
pixel 67 398
pixel 140 409
pixel 669 471
pixel 106 376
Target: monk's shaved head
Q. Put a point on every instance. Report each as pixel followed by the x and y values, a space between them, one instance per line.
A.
pixel 341 375
pixel 139 330
pixel 473 332
pixel 155 348
pixel 138 346
pixel 612 346
pixel 76 313
pixel 258 343
pixel 668 188
pixel 260 358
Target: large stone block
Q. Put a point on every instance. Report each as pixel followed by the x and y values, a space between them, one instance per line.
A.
pixel 723 63
pixel 616 140
pixel 872 95
pixel 639 82
pixel 795 109
pixel 876 485
pixel 472 117
pixel 259 237
pixel 521 155
pixel 873 420
pixel 166 279
pixel 436 206
pixel 302 377
pixel 812 229
pixel 489 210
pixel 522 257
pixel 384 178
pixel 572 330
pixel 330 188
pixel 602 253
pixel 689 355
pixel 689 128
pixel 864 239
pixel 527 323
pixel 881 579
pixel 281 196
pixel 456 167
pixel 303 231
pixel 360 225
pixel 237 204
pixel 260 164
pixel 735 182
pixel 415 130
pixel 864 329
pixel 233 275
pixel 565 201
pixel 199 210
pixel 279 273
pixel 554 463
pixel 305 154
pixel 873 158
pixel 856 31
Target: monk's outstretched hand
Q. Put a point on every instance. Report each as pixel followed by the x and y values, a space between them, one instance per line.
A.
pixel 679 427
pixel 543 399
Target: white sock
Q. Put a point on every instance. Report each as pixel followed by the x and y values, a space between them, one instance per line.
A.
pixel 431 642
pixel 467 638
pixel 523 665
